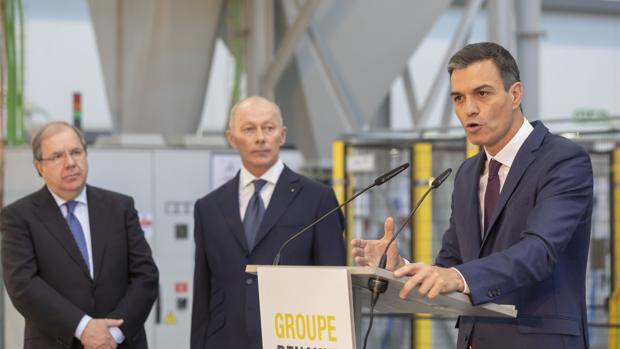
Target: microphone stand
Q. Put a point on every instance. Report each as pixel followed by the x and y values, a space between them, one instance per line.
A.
pixel 378 285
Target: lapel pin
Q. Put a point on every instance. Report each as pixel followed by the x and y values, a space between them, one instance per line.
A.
pixel 292 190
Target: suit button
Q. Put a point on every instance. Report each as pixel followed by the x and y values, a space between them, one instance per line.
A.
pixel 490 294
pixel 249 281
pixel 466 339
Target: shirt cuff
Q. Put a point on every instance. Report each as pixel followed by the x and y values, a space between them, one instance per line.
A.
pixel 117 334
pixel 466 288
pixel 82 326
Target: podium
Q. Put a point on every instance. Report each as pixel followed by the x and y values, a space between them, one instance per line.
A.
pixel 321 307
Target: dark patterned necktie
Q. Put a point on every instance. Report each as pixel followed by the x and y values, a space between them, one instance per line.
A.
pixel 254 213
pixel 491 195
pixel 76 231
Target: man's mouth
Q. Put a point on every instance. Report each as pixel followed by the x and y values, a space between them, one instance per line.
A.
pixel 72 176
pixel 473 126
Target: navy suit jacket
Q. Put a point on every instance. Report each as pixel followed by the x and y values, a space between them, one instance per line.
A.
pixel 49 283
pixel 535 252
pixel 225 311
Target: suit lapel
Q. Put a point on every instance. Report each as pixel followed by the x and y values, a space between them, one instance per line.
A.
pixel 51 216
pixel 287 187
pixel 474 205
pixel 525 156
pixel 228 200
pixel 98 215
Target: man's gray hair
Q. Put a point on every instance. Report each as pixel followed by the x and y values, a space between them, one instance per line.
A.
pixel 49 130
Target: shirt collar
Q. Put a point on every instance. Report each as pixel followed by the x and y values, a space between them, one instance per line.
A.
pixel 508 153
pixel 271 176
pixel 81 198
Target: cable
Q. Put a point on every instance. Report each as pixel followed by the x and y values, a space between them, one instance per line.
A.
pixel 372 313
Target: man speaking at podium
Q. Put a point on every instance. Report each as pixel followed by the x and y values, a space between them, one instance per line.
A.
pixel 521 214
pixel 246 221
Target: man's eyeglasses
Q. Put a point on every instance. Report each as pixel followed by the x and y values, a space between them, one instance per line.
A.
pixel 60 156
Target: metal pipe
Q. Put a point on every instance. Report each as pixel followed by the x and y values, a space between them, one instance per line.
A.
pixel 291 39
pixel 120 68
pixel 260 45
pixel 458 40
pixel 19 115
pixel 11 68
pixel 528 53
pixel 500 28
pixel 414 110
pixel 349 120
pixel 234 15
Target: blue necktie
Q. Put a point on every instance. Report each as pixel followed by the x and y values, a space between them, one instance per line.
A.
pixel 491 195
pixel 254 213
pixel 76 230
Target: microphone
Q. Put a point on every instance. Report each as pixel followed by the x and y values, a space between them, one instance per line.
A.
pixel 391 174
pixel 441 178
pixel 378 285
pixel 377 182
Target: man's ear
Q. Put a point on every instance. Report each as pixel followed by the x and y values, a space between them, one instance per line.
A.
pixel 516 92
pixel 37 165
pixel 283 138
pixel 231 139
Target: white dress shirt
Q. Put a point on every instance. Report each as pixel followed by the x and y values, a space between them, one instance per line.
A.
pixel 246 187
pixel 506 157
pixel 81 213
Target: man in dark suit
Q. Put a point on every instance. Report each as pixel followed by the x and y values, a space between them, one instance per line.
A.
pixel 521 216
pixel 74 258
pixel 246 220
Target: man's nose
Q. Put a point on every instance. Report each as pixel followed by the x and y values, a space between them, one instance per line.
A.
pixel 260 136
pixel 471 107
pixel 68 159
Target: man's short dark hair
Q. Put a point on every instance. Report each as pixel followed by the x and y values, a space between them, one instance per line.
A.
pixel 49 130
pixel 503 60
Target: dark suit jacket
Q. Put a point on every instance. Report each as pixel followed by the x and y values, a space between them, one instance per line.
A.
pixel 225 311
pixel 535 254
pixel 49 283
